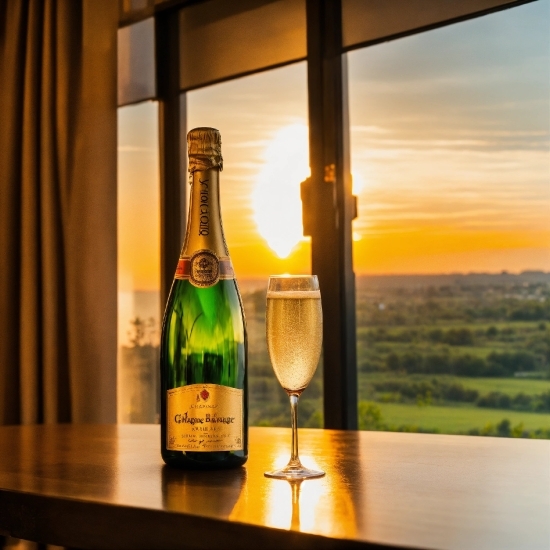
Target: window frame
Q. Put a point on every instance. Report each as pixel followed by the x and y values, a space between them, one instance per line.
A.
pixel 328 204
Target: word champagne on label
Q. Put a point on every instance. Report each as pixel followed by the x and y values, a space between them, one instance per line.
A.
pixel 294 326
pixel 203 355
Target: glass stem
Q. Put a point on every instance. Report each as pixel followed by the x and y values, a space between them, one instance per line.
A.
pixel 294 458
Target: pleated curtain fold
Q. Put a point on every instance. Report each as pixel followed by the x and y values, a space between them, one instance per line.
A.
pixel 58 211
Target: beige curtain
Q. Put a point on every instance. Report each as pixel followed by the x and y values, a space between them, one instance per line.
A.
pixel 57 211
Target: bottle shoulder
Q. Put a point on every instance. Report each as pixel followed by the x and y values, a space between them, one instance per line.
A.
pixel 212 308
pixel 223 288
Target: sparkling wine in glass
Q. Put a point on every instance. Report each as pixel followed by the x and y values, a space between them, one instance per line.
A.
pixel 294 330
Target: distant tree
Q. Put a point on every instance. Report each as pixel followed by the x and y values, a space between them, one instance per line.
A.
pixel 436 335
pixel 260 388
pixel 459 337
pixel 307 409
pixel 370 416
pixel 496 400
pixel 315 420
pixel 521 401
pixel 508 363
pixel 504 428
pixel 424 399
pixel 544 402
pixel 468 365
pixel 412 362
pixel 393 362
pixel 143 331
pixel 530 311
pixel 518 430
pixel 436 363
pixel 457 392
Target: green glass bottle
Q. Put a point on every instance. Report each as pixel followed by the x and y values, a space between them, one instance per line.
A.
pixel 203 356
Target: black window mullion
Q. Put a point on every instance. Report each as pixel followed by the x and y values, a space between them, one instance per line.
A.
pixel 171 115
pixel 329 209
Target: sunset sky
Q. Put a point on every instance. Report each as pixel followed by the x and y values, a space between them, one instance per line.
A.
pixel 450 156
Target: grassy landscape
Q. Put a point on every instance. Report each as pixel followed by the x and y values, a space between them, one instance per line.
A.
pixel 446 353
pixel 510 386
pixel 457 419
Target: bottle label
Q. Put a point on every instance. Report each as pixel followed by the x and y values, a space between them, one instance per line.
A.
pixel 204 268
pixel 204 417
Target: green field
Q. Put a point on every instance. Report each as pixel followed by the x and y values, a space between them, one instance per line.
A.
pixel 456 419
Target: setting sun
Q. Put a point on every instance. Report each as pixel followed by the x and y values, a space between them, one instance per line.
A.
pixel 276 196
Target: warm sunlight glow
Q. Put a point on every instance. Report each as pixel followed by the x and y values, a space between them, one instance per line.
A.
pixel 358 183
pixel 319 506
pixel 276 197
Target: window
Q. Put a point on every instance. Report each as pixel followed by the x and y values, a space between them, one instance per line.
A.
pixel 263 123
pixel 138 264
pixel 449 137
pixel 450 157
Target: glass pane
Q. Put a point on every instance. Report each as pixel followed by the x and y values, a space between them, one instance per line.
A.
pixel 136 62
pixel 220 39
pixel 450 152
pixel 138 263
pixel 376 19
pixel 263 123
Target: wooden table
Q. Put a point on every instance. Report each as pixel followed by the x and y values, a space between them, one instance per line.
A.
pixel 91 486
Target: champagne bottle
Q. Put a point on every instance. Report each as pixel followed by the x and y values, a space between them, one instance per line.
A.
pixel 204 420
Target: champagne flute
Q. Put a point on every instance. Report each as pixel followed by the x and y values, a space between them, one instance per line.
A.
pixel 294 330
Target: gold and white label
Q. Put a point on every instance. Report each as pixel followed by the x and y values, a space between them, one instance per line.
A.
pixel 204 417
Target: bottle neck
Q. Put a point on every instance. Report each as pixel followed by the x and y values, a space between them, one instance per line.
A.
pixel 204 223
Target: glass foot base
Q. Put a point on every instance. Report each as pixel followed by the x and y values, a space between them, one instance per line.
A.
pixel 294 472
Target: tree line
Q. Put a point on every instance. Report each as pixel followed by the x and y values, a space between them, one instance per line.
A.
pixel 429 392
pixel 495 364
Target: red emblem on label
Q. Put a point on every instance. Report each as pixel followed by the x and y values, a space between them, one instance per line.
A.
pixel 204 394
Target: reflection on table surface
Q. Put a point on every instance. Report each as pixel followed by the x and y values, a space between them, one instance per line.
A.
pixel 317 506
pixel 419 490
